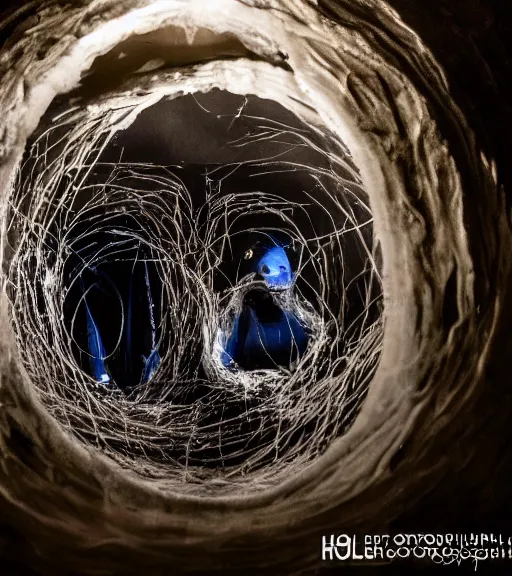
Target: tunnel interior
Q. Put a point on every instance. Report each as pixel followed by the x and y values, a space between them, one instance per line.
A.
pixel 255 281
pixel 216 259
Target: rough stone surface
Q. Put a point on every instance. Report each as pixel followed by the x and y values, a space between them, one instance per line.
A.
pixel 431 450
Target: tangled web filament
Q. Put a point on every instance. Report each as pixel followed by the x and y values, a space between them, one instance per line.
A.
pixel 74 214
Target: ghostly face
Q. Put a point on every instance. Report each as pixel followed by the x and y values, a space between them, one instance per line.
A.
pixel 275 269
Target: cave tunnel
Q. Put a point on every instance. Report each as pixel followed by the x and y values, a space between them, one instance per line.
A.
pixel 255 275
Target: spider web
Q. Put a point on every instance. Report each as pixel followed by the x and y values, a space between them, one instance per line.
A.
pixel 195 422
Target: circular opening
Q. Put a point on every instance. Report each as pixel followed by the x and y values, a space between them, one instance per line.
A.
pixel 208 279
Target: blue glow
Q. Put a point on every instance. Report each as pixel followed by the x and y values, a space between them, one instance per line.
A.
pixel 152 362
pixel 275 269
pixel 230 349
pixel 264 336
pixel 96 349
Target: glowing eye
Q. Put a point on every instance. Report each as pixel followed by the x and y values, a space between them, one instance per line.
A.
pixel 248 255
pixel 265 269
